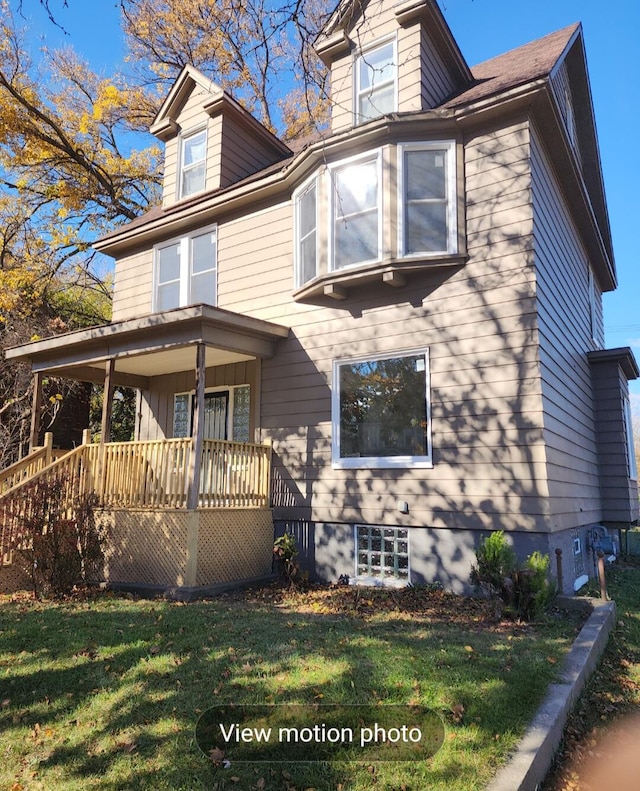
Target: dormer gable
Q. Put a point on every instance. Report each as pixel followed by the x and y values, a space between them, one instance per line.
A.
pixel 211 141
pixel 389 57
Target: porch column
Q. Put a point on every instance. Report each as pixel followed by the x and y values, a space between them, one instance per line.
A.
pixel 36 405
pixel 107 401
pixel 197 434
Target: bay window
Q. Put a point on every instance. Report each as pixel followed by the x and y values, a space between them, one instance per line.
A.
pixel 306 233
pixel 427 205
pixel 356 212
pixel 185 271
pixel 380 411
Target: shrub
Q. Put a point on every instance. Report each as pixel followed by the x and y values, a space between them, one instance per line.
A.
pixel 496 561
pixel 526 591
pixel 285 550
pixel 56 533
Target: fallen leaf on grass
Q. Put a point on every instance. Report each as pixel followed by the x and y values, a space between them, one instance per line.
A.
pixel 457 712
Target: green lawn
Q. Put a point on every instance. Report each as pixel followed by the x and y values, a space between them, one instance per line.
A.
pixel 104 692
pixel 613 692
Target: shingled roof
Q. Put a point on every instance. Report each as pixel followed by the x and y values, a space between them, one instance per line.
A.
pixel 519 66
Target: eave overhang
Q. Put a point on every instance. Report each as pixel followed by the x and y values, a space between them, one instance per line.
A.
pixel 152 345
pixel 623 356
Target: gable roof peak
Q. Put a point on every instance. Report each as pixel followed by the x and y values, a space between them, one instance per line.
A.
pixel 164 124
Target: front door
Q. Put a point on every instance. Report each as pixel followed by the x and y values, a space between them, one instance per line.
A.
pixel 216 413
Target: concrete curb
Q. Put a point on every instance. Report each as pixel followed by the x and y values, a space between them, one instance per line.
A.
pixel 534 755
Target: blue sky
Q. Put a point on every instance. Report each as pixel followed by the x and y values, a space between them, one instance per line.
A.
pixel 485 28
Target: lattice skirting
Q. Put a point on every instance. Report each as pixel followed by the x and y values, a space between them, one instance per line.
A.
pixel 178 548
pixel 14 573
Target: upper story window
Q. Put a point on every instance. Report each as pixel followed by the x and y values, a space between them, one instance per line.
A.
pixel 185 271
pixel 193 163
pixel 306 232
pixel 380 411
pixel 427 200
pixel 356 212
pixel 628 430
pixel 375 89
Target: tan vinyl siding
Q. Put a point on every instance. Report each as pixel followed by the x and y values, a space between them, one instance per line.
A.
pixel 242 154
pixel 437 82
pixel 133 288
pixel 255 263
pixel 478 323
pixel 562 270
pixel 409 82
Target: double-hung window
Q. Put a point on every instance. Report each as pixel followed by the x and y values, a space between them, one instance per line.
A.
pixel 380 411
pixel 356 211
pixel 306 232
pixel 427 200
pixel 185 271
pixel 193 163
pixel 376 71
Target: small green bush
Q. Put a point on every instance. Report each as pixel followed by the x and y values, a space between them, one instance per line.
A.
pixel 285 550
pixel 496 561
pixel 526 590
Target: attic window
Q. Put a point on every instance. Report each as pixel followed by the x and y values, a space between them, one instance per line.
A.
pixel 376 82
pixel 192 175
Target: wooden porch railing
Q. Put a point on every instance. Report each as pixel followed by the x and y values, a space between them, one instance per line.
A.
pixel 154 474
pixel 26 468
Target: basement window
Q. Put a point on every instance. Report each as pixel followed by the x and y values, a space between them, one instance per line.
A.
pixel 382 554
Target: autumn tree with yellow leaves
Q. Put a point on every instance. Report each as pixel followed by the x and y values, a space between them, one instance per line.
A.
pixel 76 159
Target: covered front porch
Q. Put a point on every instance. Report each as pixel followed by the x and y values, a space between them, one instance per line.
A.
pixel 186 504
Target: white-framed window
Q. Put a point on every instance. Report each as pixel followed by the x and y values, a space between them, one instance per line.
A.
pixel 381 411
pixel 427 217
pixel 376 70
pixel 382 553
pixel 185 271
pixel 356 211
pixel 628 430
pixel 193 160
pixel 227 413
pixel 305 201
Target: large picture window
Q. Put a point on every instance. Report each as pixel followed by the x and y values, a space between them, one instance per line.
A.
pixel 381 411
pixel 356 206
pixel 427 203
pixel 185 271
pixel 376 82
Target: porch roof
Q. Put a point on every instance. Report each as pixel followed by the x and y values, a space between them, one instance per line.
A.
pixel 152 345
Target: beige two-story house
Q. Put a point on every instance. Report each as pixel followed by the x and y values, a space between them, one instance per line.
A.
pixel 401 319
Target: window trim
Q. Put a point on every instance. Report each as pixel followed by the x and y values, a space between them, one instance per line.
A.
pixel 184 138
pixel 358 118
pixel 311 183
pixel 360 159
pixel 185 244
pixel 632 466
pixel 452 197
pixel 379 462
